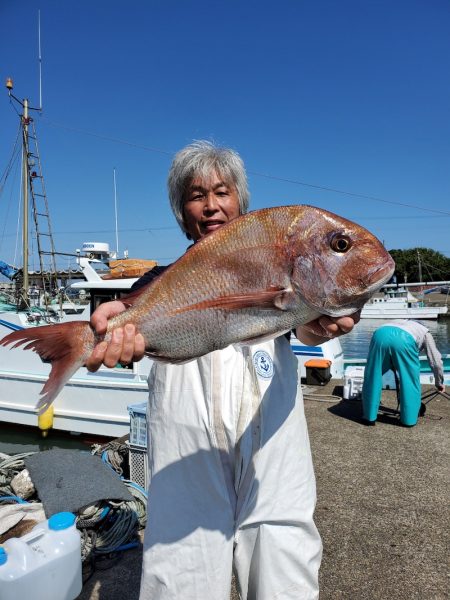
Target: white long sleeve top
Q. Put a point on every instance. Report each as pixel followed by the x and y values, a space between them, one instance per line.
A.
pixel 424 341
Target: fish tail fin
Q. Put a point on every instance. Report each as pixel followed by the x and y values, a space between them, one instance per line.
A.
pixel 65 345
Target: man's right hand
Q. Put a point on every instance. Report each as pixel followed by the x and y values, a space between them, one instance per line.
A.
pixel 125 345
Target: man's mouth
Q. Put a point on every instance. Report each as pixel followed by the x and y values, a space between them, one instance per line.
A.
pixel 209 226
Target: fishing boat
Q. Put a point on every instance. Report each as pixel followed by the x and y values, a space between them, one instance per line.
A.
pixel 400 303
pixel 93 403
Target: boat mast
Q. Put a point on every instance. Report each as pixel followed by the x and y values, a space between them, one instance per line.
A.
pixel 25 179
pixel 25 121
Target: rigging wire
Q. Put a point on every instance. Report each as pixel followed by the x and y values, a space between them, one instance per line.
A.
pixel 98 231
pixel 19 214
pixel 8 206
pixel 353 194
pixel 14 107
pixel 256 173
pixel 105 137
pixel 12 160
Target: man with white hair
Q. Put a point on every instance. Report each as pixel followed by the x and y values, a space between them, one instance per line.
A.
pixel 231 477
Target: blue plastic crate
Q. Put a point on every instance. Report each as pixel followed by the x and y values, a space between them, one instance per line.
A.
pixel 138 424
pixel 138 466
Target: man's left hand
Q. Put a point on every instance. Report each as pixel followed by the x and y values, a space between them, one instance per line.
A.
pixel 325 328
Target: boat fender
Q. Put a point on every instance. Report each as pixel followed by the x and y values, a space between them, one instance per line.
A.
pixel 45 421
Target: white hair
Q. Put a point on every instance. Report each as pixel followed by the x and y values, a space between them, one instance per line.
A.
pixel 202 159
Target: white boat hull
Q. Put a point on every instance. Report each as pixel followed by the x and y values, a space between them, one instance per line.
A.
pixel 384 310
pixel 94 403
pixel 399 303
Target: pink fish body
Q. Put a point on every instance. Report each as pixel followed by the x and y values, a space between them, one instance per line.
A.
pixel 254 278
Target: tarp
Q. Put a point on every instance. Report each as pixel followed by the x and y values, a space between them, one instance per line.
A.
pixel 7 270
pixel 67 480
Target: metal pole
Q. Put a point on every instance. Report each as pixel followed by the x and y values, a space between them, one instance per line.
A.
pixel 25 183
pixel 420 266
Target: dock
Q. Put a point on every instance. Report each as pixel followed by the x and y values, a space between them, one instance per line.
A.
pixel 382 504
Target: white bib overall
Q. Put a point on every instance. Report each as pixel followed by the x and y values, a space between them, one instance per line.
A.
pixel 231 479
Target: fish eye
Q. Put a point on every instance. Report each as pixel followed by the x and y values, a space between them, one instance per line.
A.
pixel 340 243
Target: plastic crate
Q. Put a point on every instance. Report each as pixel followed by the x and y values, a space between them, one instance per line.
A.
pixel 138 424
pixel 138 466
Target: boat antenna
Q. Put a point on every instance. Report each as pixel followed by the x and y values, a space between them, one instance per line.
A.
pixel 115 212
pixel 40 61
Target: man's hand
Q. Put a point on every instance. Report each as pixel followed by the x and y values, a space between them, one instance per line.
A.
pixel 325 328
pixel 125 345
pixel 440 387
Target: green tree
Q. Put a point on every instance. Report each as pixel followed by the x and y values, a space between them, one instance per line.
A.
pixel 434 266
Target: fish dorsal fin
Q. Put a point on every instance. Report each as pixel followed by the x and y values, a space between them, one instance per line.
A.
pixel 272 298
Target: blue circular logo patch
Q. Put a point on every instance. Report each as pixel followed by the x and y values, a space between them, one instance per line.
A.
pixel 263 364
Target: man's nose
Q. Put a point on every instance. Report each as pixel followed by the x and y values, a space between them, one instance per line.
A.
pixel 211 202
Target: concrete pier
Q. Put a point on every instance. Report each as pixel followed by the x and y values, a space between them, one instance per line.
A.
pixel 382 506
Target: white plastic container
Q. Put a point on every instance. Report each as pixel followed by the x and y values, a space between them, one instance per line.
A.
pixel 44 564
pixel 353 382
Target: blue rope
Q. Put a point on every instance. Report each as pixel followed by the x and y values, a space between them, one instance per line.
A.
pixel 15 498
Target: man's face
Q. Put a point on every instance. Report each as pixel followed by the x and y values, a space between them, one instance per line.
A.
pixel 209 204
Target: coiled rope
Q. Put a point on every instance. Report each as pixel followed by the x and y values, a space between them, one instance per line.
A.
pixel 106 527
pixel 10 466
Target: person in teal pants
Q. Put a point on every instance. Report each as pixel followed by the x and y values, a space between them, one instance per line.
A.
pixel 397 345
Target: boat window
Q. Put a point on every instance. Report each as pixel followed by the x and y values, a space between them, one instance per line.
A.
pixel 100 296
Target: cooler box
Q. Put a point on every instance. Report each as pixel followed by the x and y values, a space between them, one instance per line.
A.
pixel 317 371
pixel 353 382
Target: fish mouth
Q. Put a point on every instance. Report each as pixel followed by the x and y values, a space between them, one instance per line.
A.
pixel 371 284
pixel 381 275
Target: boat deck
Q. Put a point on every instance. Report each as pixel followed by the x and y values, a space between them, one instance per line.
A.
pixel 382 504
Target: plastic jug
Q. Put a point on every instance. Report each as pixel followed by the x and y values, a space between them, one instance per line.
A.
pixel 44 564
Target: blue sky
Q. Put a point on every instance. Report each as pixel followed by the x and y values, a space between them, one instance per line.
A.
pixel 351 95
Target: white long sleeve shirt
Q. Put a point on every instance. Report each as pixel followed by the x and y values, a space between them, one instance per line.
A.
pixel 424 341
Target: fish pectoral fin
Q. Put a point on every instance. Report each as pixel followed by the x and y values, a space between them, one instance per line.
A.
pixel 286 300
pixel 274 297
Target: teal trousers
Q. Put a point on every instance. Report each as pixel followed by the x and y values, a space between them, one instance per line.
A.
pixel 392 348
